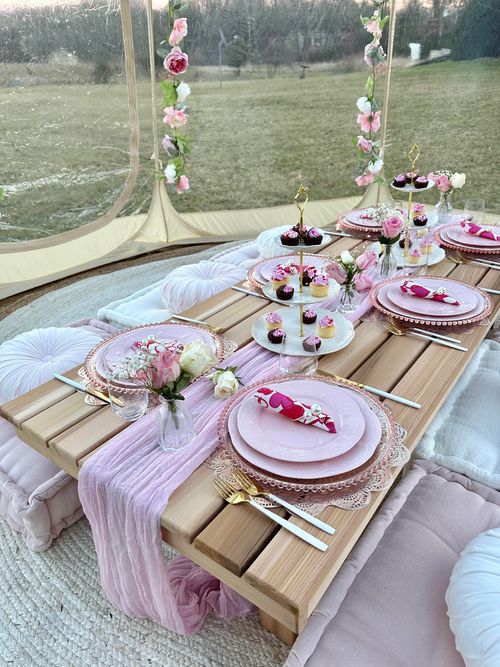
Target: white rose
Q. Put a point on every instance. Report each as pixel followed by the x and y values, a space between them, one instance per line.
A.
pixel 183 92
pixel 226 386
pixel 197 358
pixel 457 180
pixel 376 166
pixel 170 172
pixel 346 257
pixel 364 105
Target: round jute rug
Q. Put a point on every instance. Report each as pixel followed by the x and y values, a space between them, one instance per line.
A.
pixel 53 613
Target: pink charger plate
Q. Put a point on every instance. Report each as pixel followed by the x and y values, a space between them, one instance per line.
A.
pixel 468 299
pixel 386 303
pixel 362 451
pixel 123 343
pixel 354 217
pixel 277 436
pixel 459 235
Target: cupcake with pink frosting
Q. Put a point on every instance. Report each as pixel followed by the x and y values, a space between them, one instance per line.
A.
pixel 326 327
pixel 311 343
pixel 313 237
pixel 309 316
pixel 414 256
pixel 319 286
pixel 278 278
pixel 291 237
pixel 273 321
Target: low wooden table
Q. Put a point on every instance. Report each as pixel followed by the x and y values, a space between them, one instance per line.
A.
pixel 284 577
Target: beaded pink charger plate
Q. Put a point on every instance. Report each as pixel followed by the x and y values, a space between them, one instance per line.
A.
pixel 447 237
pixel 260 273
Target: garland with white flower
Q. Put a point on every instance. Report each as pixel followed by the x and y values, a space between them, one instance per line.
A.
pixel 175 93
pixel 370 162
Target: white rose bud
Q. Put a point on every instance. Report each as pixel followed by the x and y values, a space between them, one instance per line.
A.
pixel 183 92
pixel 226 386
pixel 197 358
pixel 170 175
pixel 376 166
pixel 457 181
pixel 364 105
pixel 346 257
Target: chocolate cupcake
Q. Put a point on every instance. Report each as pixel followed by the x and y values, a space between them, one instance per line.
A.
pixel 311 343
pixel 420 220
pixel 276 336
pixel 421 182
pixel 285 292
pixel 402 242
pixel 399 181
pixel 313 237
pixel 410 178
pixel 309 316
pixel 291 237
pixel 307 275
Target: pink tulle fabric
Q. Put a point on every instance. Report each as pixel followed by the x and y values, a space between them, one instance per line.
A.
pixel 124 489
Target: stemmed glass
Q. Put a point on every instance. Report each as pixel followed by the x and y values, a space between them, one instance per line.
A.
pixel 293 358
pixel 475 210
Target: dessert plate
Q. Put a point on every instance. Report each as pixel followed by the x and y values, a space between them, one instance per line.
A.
pixel 359 454
pixel 411 188
pixel 458 235
pixel 302 246
pixel 305 297
pixel 467 298
pixel 354 217
pixel 437 255
pixel 281 438
pixel 344 332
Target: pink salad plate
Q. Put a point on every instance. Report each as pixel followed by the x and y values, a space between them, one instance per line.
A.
pixel 122 344
pixel 261 273
pixel 277 436
pixel 467 298
pixel 444 238
pixel 357 228
pixel 459 235
pixel 355 218
pixel 380 300
pixel 344 474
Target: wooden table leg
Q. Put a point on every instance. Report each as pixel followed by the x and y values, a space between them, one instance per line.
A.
pixel 281 631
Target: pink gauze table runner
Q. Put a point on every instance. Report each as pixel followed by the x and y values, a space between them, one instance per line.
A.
pixel 125 487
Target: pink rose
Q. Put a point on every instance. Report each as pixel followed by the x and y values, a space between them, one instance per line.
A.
pixel 392 227
pixel 175 117
pixel 335 271
pixel 168 144
pixel 366 260
pixel 364 145
pixel 182 185
pixel 442 182
pixel 362 282
pixel 369 122
pixel 364 179
pixel 166 368
pixel 179 31
pixel 373 27
pixel 176 62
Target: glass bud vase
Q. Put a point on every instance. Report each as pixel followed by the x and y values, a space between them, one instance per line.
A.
pixel 444 208
pixel 388 264
pixel 348 298
pixel 175 424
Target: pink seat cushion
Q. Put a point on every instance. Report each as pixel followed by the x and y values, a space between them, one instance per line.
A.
pixel 386 607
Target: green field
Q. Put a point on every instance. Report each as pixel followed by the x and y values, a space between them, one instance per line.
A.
pixel 65 148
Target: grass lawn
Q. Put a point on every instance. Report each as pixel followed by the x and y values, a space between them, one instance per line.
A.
pixel 65 148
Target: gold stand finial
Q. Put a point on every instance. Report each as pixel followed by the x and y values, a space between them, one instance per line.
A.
pixel 301 204
pixel 413 155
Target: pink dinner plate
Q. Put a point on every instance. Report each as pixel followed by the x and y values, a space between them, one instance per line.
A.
pixel 274 435
pixel 386 303
pixel 266 269
pixel 354 217
pixel 459 235
pixel 468 299
pixel 122 345
pixel 350 460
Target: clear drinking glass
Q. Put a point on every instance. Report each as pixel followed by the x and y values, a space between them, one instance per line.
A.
pixel 293 358
pixel 127 402
pixel 475 209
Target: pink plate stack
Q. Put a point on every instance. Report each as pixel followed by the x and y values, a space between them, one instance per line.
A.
pixel 455 237
pixel 260 273
pixel 362 221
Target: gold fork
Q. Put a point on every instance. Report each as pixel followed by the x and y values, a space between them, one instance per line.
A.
pixel 234 497
pixel 439 340
pixel 254 489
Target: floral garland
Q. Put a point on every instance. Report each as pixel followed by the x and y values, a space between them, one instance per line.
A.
pixel 370 162
pixel 175 93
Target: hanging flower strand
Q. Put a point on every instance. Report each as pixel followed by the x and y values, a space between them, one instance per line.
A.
pixel 370 162
pixel 175 93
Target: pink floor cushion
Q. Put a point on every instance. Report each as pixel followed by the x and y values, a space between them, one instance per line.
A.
pixel 36 498
pixel 386 607
pixel 188 285
pixel 473 599
pixel 243 256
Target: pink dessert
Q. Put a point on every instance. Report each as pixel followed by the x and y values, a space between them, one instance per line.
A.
pixel 278 278
pixel 285 292
pixel 291 237
pixel 311 343
pixel 273 321
pixel 319 286
pixel 276 336
pixel 326 327
pixel 307 275
pixel 309 316
pixel 313 237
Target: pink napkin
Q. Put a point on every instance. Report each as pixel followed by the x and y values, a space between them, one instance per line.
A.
pixel 414 289
pixel 478 230
pixel 310 415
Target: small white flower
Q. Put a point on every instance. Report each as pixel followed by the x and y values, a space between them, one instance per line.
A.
pixel 364 104
pixel 346 257
pixel 170 174
pixel 183 92
pixel 226 386
pixel 457 180
pixel 376 166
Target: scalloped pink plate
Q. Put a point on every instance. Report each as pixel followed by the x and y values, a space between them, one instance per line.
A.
pixel 123 344
pixel 274 435
pixel 386 303
pixel 354 217
pixel 266 269
pixel 350 460
pixel 469 299
pixel 458 235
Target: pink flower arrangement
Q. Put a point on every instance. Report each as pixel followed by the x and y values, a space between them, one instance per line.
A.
pixel 392 227
pixel 182 184
pixel 179 31
pixel 168 144
pixel 176 61
pixel 175 117
pixel 369 122
pixel 441 181
pixel 364 144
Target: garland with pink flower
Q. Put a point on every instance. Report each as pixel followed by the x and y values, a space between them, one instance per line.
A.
pixel 175 93
pixel 370 162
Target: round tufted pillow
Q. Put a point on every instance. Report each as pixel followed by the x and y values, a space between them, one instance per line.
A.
pixel 31 358
pixel 267 246
pixel 244 256
pixel 473 599
pixel 192 283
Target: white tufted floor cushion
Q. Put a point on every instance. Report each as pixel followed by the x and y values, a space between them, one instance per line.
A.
pixel 190 284
pixel 473 599
pixel 244 256
pixel 36 498
pixel 465 435
pixel 267 246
